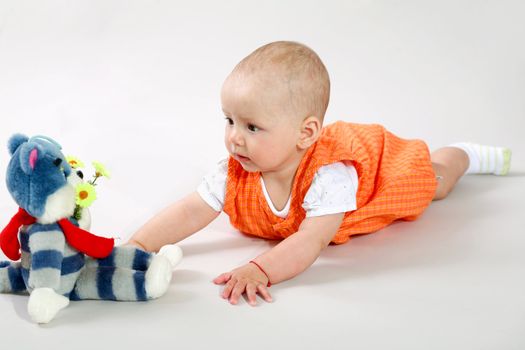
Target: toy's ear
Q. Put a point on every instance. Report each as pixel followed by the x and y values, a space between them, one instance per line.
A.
pixel 15 141
pixel 29 156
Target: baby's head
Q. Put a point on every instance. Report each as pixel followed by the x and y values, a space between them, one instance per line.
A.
pixel 289 76
pixel 275 99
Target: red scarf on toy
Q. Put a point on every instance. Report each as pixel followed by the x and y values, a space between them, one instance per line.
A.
pixel 83 241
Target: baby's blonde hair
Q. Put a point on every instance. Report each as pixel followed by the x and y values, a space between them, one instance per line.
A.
pixel 299 67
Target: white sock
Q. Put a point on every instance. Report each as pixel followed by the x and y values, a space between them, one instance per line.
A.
pixel 485 159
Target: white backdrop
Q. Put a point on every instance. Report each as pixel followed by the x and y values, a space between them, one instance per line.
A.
pixel 135 85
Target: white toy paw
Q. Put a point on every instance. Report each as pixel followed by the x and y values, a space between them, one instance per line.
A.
pixel 44 304
pixel 158 276
pixel 173 253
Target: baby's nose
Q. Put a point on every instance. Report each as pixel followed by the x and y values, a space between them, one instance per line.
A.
pixel 235 137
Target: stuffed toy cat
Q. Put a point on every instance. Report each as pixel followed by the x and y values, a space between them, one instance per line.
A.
pixel 56 261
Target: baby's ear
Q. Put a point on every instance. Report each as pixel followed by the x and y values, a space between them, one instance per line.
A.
pixel 30 153
pixel 310 131
pixel 15 141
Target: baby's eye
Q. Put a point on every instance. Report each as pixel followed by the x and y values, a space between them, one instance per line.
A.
pixel 252 128
pixel 229 120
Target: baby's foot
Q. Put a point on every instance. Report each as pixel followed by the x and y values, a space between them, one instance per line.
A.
pixel 484 159
pixel 44 304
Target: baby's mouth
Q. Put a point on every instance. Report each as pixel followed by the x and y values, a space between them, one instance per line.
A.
pixel 241 158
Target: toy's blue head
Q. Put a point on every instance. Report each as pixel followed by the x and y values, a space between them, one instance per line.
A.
pixel 37 176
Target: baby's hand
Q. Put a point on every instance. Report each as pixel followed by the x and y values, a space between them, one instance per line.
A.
pixel 245 279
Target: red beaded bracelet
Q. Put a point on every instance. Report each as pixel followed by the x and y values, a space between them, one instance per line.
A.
pixel 262 270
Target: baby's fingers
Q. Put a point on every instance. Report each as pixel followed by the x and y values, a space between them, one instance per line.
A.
pixel 265 294
pixel 237 291
pixel 251 294
pixel 228 288
pixel 223 278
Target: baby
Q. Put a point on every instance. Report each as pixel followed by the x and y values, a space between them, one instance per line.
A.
pixel 290 179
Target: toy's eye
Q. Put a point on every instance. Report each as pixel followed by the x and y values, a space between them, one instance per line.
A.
pixel 57 161
pixel 80 174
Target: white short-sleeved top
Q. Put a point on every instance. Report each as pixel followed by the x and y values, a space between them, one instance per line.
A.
pixel 333 190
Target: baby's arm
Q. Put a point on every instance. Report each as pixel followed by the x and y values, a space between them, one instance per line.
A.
pixel 286 260
pixel 174 223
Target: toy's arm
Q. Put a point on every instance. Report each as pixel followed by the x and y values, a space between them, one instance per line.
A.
pixel 47 253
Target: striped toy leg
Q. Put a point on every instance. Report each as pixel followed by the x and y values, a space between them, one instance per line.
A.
pixel 127 257
pixel 110 283
pixel 128 274
pixel 121 284
pixel 133 258
pixel 11 280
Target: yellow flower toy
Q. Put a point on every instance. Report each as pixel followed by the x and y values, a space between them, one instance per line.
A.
pixel 86 194
pixel 100 170
pixel 74 162
pixel 85 191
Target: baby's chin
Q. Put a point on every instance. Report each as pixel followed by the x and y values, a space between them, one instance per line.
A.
pixel 250 168
pixel 246 163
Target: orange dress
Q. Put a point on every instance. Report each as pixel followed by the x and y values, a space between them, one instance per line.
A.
pixel 396 181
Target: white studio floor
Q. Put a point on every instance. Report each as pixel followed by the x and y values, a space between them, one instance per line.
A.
pixel 136 85
pixel 451 280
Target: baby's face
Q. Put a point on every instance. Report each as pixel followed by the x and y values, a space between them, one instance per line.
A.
pixel 261 131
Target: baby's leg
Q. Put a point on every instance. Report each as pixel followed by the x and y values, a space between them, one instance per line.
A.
pixel 11 280
pixel 452 162
pixel 449 164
